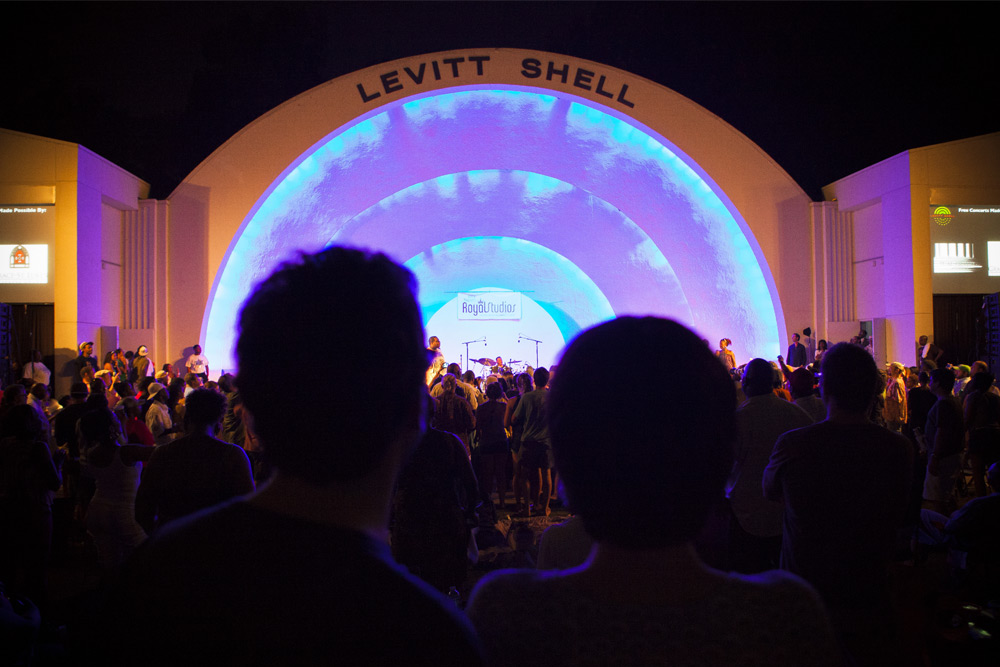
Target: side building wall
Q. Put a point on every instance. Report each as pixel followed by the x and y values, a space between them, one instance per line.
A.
pixel 92 198
pixel 887 207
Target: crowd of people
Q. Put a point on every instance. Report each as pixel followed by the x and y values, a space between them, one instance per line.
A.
pixel 243 522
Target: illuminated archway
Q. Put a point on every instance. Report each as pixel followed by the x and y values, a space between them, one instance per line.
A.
pixel 645 225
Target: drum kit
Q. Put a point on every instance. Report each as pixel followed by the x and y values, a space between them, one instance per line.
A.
pixel 514 366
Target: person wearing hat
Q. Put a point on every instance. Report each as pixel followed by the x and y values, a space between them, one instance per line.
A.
pixel 86 358
pixel 962 374
pixel 143 364
pixel 158 415
pixel 894 409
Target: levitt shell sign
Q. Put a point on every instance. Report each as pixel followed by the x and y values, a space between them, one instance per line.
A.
pixel 489 306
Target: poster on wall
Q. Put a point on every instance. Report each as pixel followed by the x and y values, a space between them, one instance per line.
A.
pixel 27 241
pixel 965 246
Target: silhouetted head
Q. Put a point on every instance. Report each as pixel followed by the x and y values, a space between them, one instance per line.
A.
pixel 642 461
pixel 337 294
pixel 850 378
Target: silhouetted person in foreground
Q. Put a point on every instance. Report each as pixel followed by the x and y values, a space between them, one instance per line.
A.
pixel 300 572
pixel 642 463
pixel 844 483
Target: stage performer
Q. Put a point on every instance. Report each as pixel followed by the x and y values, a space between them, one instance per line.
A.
pixel 435 358
pixel 726 355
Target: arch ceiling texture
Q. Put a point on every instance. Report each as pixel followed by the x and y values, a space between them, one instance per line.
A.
pixel 579 207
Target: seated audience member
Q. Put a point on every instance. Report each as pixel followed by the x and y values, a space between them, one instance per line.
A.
pixel 300 573
pixel 433 510
pixel 193 472
pixel 844 484
pixel 642 462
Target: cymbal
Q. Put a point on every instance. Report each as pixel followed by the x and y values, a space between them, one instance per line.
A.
pixel 484 361
pixel 514 361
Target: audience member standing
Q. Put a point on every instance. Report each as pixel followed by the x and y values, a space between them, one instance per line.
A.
pixel 195 471
pixel 928 352
pixel 801 385
pixel 755 525
pixel 796 356
pixel 982 420
pixel 300 573
pixel 945 436
pixel 844 484
pixel 142 364
pixel 494 448
pixel 453 413
pixel 894 410
pixel 643 597
pixel 29 479
pixel 158 419
pixel 115 469
pixel 86 359
pixel 535 460
pixel 433 511
pixel 521 386
pixel 197 363
pixel 36 371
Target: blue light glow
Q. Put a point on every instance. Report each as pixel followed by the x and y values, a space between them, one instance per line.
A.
pixel 531 177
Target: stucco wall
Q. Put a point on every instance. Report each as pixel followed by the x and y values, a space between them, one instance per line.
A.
pixel 216 198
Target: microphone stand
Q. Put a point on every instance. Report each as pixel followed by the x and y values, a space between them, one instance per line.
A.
pixel 536 342
pixel 466 344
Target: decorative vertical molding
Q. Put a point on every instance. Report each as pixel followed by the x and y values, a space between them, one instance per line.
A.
pixel 833 260
pixel 841 265
pixel 137 273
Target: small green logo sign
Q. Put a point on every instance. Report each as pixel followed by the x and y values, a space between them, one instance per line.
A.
pixel 942 215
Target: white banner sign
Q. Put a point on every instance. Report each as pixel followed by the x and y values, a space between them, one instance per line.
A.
pixel 489 306
pixel 28 263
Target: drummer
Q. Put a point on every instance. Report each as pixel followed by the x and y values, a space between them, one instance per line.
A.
pixel 499 368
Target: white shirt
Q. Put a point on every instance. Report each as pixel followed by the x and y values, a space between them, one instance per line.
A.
pixel 197 363
pixel 38 372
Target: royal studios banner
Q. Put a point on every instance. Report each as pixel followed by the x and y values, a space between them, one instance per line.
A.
pixel 489 306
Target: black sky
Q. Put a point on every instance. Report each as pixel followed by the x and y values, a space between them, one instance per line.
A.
pixel 825 88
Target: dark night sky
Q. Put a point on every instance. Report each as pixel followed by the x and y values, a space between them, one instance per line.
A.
pixel 825 89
